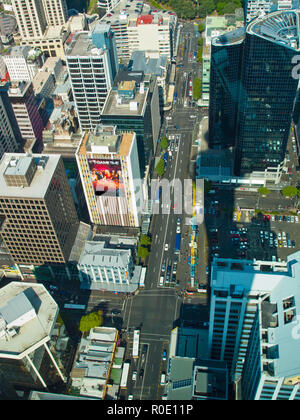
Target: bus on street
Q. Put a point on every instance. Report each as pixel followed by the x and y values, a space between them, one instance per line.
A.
pixel 136 344
pixel 124 377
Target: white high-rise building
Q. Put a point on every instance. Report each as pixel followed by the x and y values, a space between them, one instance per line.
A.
pixel 109 169
pixel 254 325
pixel 30 17
pixel 92 65
pixel 108 5
pixel 154 32
pixel 23 63
pixel 56 12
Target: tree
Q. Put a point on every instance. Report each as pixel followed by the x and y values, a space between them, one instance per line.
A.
pixel 90 321
pixel 230 8
pixel 160 167
pixel 263 191
pixel 142 252
pixel 197 89
pixel 164 143
pixel 145 240
pixel 201 27
pixel 289 191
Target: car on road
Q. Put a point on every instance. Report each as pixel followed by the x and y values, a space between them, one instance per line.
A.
pixel 164 356
pixel 163 378
pixel 166 247
pixel 141 373
pixel 134 375
pixel 161 281
pixel 115 311
pixel 178 221
pixel 178 229
pixel 207 269
pixel 130 397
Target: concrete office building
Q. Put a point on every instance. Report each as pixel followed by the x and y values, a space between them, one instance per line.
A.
pixel 133 105
pixel 39 23
pixel 26 111
pixel 108 5
pixel 92 65
pixel 23 63
pixel 28 316
pixel 119 20
pixel 10 136
pixel 56 12
pixel 153 32
pixel 108 268
pixel 30 17
pixel 39 223
pixel 109 168
pixel 254 325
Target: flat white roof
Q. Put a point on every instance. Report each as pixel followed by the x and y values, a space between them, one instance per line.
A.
pixel 35 332
pixel 40 182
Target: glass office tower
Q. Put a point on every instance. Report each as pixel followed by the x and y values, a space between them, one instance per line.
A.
pixel 261 114
pixel 224 87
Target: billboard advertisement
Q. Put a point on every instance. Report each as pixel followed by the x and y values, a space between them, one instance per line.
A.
pixel 106 177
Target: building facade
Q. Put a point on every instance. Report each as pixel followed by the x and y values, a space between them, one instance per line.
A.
pixel 109 169
pixel 252 73
pixel 39 220
pixel 92 65
pixel 23 63
pixel 26 111
pixel 10 136
pixel 133 105
pixel 28 316
pixel 253 320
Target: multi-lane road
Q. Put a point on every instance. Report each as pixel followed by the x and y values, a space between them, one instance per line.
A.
pixel 156 310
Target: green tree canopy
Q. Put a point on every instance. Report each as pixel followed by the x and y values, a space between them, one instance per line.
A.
pixel 289 191
pixel 263 191
pixel 197 89
pixel 160 167
pixel 142 252
pixel 90 321
pixel 145 240
pixel 164 143
pixel 201 27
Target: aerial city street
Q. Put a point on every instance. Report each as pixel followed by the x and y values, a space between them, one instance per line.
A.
pixel 149 201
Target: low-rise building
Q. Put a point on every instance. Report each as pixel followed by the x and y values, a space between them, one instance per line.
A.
pixel 23 62
pixel 28 317
pixel 94 362
pixel 107 267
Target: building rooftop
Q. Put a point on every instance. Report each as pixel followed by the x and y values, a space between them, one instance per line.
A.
pixel 135 106
pixel 82 45
pixel 96 254
pixel 280 27
pixel 18 163
pixel 17 297
pixel 281 282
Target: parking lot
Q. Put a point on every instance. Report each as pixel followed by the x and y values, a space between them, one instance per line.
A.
pixel 246 234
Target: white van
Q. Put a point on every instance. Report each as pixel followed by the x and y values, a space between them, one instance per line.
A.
pixel 161 281
pixel 163 378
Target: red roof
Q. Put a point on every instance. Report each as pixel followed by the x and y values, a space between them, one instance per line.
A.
pixel 144 19
pixel 6 78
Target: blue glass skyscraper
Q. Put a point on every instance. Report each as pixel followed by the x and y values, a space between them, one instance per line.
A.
pixel 253 109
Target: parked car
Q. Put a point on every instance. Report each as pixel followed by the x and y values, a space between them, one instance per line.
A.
pixel 164 356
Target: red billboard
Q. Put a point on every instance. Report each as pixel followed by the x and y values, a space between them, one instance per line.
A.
pixel 106 177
